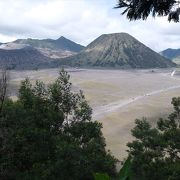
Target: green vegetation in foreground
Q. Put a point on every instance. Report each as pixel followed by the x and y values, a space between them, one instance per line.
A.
pixel 48 134
pixel 125 172
pixel 155 152
pixel 141 10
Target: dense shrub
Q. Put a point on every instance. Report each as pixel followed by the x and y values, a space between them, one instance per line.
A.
pixel 48 134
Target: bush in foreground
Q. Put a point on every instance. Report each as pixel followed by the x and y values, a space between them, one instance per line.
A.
pixel 48 134
pixel 155 153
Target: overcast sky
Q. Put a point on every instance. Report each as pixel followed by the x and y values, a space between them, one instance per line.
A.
pixel 81 21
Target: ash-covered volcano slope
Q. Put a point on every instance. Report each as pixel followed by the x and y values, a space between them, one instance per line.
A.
pixel 119 50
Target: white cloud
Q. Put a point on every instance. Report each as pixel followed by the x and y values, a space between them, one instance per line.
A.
pixel 81 21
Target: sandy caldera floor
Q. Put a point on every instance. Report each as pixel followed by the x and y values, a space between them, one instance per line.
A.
pixel 117 97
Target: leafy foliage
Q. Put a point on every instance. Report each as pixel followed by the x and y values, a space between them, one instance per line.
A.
pixel 3 87
pixel 141 9
pixel 48 134
pixel 99 176
pixel 125 171
pixel 156 150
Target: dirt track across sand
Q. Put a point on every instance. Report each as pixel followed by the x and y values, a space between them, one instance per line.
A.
pixel 112 107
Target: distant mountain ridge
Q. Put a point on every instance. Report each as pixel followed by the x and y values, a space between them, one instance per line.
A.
pixel 118 50
pixel 60 44
pixel 173 54
pixel 35 53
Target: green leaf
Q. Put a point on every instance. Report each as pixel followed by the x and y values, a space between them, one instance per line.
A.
pixel 125 171
pixel 99 176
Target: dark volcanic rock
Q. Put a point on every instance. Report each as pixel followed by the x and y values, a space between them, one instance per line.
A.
pixel 26 58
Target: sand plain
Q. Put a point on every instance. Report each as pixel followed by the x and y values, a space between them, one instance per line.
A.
pixel 117 97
